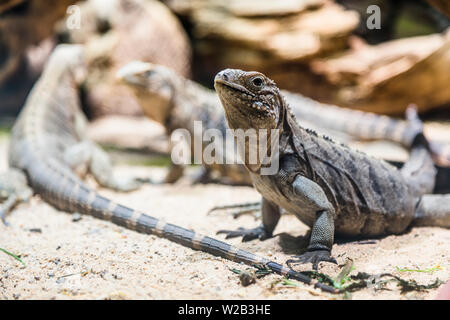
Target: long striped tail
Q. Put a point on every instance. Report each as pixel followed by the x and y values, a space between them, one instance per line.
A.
pixel 66 192
pixel 363 125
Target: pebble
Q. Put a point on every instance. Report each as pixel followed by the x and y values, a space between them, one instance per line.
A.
pixel 247 278
pixel 76 217
pixel 60 280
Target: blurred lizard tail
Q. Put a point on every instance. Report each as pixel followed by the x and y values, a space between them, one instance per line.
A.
pixel 433 210
pixel 441 153
pixel 419 170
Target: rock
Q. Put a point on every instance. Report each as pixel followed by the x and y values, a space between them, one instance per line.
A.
pixel 278 38
pixel 295 37
pixel 24 23
pixel 60 280
pixel 76 217
pixel 289 41
pixel 386 78
pixel 397 19
pixel 247 277
pixel 25 28
pixel 261 8
pixel 442 5
pixel 8 4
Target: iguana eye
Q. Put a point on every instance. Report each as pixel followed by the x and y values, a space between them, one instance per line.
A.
pixel 258 82
pixel 148 73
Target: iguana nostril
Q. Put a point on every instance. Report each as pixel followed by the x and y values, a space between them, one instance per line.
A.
pixel 224 75
pixel 227 74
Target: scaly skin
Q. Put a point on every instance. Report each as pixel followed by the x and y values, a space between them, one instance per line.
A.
pixel 47 135
pixel 176 102
pixel 329 187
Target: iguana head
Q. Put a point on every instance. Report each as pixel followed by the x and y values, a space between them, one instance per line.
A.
pixel 250 99
pixel 152 85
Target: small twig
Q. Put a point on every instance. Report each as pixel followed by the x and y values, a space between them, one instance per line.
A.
pixel 234 206
pixel 437 268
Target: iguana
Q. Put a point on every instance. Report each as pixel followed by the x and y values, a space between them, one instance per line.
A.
pixel 46 140
pixel 176 102
pixel 328 186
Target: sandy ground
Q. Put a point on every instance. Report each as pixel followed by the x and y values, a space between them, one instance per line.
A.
pixel 93 259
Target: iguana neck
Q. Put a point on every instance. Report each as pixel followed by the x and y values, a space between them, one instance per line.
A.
pixel 281 135
pixel 292 138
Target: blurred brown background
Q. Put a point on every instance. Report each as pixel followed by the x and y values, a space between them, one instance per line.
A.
pixel 320 48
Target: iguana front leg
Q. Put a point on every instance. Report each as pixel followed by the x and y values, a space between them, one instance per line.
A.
pixel 321 242
pixel 13 190
pixel 87 156
pixel 270 217
pixel 322 233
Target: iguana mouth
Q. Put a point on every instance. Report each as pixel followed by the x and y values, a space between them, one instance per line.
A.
pixel 233 86
pixel 129 72
pixel 245 94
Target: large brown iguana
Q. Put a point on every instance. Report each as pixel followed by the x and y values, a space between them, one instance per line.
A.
pixel 328 186
pixel 177 102
pixel 46 140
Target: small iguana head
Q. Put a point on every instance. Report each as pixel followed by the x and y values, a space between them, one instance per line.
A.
pixel 153 86
pixel 250 99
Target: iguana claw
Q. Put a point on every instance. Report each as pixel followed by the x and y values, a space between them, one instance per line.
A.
pixel 314 257
pixel 3 218
pixel 247 234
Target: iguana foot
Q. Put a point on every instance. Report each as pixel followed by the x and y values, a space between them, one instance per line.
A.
pixel 314 257
pixel 247 234
pixel 203 176
pixel 13 190
pixel 3 217
pixel 174 174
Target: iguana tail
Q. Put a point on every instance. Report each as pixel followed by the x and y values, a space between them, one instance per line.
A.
pixel 64 191
pixel 363 125
pixel 433 210
pixel 419 171
pixel 441 153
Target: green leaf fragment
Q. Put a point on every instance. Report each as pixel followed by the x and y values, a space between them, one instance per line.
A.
pixel 14 256
pixel 418 270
